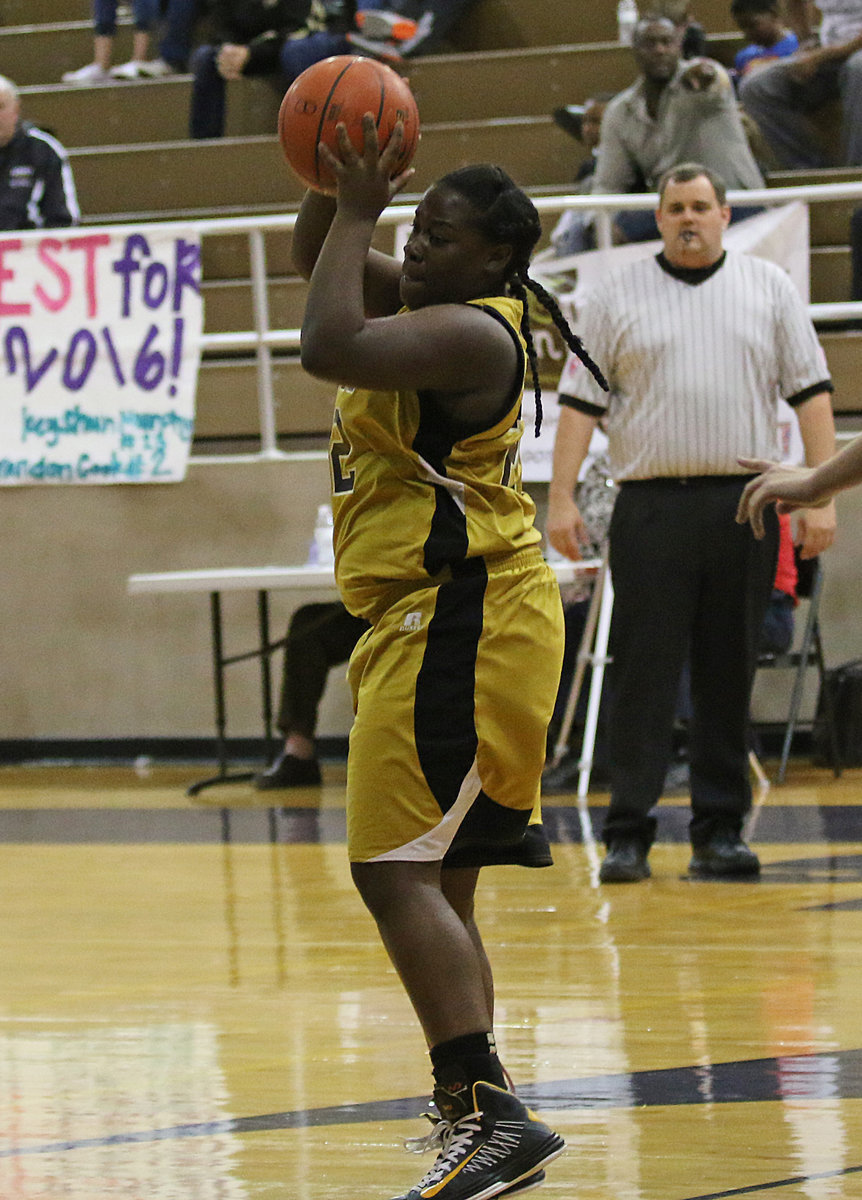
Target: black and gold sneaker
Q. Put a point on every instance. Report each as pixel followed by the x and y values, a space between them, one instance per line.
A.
pixel 498 1149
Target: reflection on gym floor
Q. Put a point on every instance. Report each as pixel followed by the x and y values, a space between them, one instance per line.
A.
pixel 194 1003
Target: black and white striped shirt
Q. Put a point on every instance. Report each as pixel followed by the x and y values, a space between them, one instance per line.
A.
pixel 696 363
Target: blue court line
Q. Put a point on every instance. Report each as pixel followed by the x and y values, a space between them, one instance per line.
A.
pixel 793 1181
pixel 826 825
pixel 828 1075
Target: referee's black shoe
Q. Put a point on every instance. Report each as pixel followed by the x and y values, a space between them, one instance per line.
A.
pixel 724 856
pixel 625 862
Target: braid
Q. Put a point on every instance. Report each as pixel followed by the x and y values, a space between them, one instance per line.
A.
pixel 571 339
pixel 504 213
pixel 519 291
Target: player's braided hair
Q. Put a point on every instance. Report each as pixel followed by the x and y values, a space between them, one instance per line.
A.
pixel 506 214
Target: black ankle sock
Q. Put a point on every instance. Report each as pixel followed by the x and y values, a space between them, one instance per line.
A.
pixel 465 1060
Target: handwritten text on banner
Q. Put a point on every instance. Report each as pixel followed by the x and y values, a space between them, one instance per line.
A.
pixel 99 355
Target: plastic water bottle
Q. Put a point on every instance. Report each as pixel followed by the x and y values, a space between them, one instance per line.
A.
pixel 627 19
pixel 321 552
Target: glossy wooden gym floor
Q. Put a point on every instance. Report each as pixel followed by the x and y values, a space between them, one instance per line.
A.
pixel 195 1005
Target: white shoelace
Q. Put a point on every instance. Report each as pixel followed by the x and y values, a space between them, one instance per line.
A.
pixel 454 1138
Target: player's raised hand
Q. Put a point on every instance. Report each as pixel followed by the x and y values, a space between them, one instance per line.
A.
pixel 364 177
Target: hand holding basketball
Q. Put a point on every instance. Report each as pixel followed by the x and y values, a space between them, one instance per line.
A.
pixel 340 91
pixel 365 180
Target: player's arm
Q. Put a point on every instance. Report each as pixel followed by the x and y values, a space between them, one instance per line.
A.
pixel 843 470
pixel 808 488
pixel 791 488
pixel 815 530
pixel 565 527
pixel 382 271
pixel 461 354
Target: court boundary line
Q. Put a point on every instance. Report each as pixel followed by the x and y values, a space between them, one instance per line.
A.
pixel 682 1086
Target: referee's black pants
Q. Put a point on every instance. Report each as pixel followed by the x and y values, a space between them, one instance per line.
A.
pixel 688 582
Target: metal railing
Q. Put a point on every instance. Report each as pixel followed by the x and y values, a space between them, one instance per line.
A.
pixel 262 340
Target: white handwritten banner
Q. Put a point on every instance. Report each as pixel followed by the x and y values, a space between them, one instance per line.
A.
pixel 99 355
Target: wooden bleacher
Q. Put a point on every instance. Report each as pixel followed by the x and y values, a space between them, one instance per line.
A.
pixel 143 665
pixel 489 99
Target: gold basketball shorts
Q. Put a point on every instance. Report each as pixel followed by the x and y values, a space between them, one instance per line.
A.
pixel 453 688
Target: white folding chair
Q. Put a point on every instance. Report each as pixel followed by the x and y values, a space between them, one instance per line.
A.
pixel 592 652
pixel 809 655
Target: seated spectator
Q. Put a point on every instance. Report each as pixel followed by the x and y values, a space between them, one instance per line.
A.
pixel 406 28
pixel 175 44
pixel 768 37
pixel 319 637
pixel 573 232
pixel 147 14
pixel 673 112
pixel 783 97
pixel 37 190
pixel 261 37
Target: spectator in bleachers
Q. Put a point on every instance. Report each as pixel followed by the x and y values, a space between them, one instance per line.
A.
pixel 406 28
pixel 783 97
pixel 37 190
pixel 573 232
pixel 674 111
pixel 147 15
pixel 175 45
pixel 279 38
pixel 768 37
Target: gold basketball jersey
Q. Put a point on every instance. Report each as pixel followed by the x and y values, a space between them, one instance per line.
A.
pixel 413 495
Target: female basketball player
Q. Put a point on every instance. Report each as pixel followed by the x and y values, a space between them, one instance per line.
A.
pixel 435 545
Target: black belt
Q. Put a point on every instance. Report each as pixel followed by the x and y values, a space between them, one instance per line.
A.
pixel 685 481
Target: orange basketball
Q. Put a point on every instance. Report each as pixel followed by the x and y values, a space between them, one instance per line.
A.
pixel 342 89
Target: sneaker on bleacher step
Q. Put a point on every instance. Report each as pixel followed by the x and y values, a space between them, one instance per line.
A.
pixel 133 69
pixel 498 1149
pixel 156 68
pixel 381 26
pixel 90 74
pixel 385 50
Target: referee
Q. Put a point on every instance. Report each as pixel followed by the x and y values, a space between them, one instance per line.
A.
pixel 697 345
